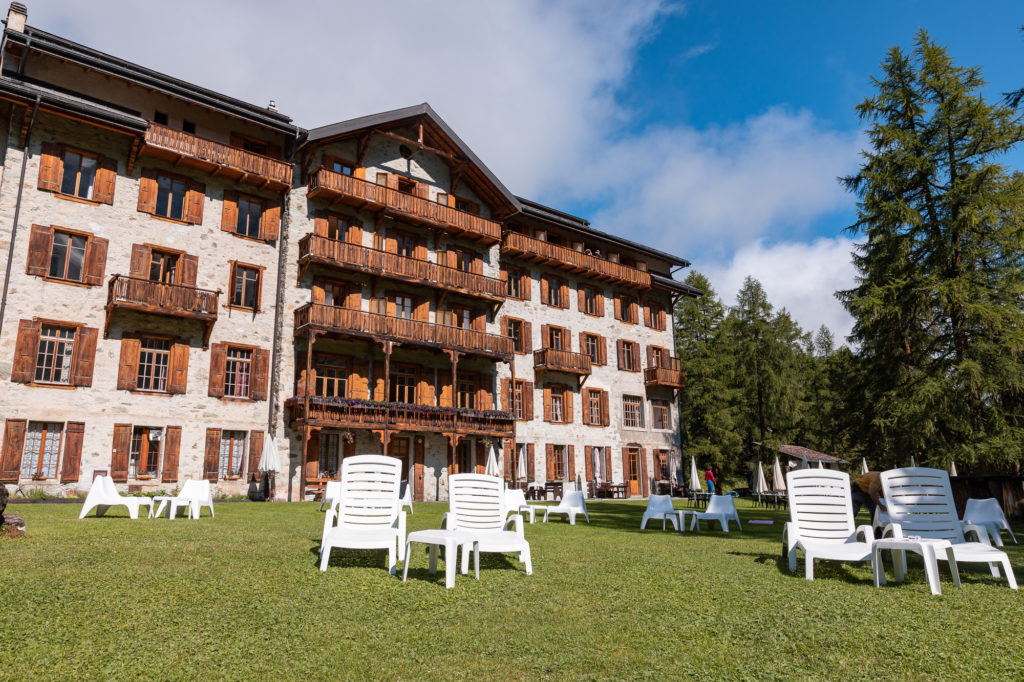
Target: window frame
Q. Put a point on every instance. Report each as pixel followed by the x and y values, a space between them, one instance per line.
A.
pixel 663 407
pixel 560 455
pixel 173 178
pixel 159 352
pixel 633 406
pixel 248 362
pixel 43 324
pixel 134 454
pixel 335 363
pixel 87 236
pixel 516 289
pixel 39 455
pixel 231 286
pixel 231 439
pixel 83 154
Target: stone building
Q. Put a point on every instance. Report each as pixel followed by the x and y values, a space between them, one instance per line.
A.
pixel 188 275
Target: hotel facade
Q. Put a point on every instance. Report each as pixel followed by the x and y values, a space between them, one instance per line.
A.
pixel 189 277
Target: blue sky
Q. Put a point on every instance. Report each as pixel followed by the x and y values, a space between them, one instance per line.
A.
pixel 714 130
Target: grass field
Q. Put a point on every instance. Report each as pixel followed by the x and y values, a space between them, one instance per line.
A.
pixel 240 596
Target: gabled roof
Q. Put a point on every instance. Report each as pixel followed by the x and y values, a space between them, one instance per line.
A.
pixel 64 103
pixel 445 139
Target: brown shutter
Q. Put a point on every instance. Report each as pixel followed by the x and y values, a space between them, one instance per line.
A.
pixel 172 448
pixel 605 416
pixel 599 303
pixel 51 166
pixel 311 468
pixel 255 451
pixel 147 191
pixel 545 336
pixel 651 350
pixel 95 260
pixel 139 266
pixel 506 459
pixel 318 295
pixel 270 220
pixel 84 360
pixel 583 343
pixel 618 348
pixel 602 350
pixel 106 176
pixel 447 392
pixel 424 386
pixel 354 234
pixel 260 373
pixel 481 457
pixel 188 270
pixel 480 321
pixel 229 213
pixel 585 405
pixel 378 382
pixel 588 462
pixel 580 298
pixel 625 468
pixel 25 348
pixel 507 400
pixel 194 199
pixel 547 403
pixel 321 225
pixel 178 369
pixel 212 457
pixel 525 285
pixel 40 243
pixel 544 293
pixel 549 459
pixel 563 298
pixel 14 445
pixel 528 400
pixel 71 465
pixel 128 366
pixel 218 364
pixel 358 380
pixel 607 461
pixel 643 473
pixel 485 392
pixel 618 307
pixel 570 466
pixel 120 451
pixel 391 243
pixel 647 316
pixel 528 337
pixel 567 403
pixel 531 465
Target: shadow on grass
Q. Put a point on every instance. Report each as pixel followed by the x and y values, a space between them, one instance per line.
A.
pixel 373 558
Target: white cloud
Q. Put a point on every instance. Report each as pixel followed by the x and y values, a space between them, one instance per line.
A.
pixel 800 277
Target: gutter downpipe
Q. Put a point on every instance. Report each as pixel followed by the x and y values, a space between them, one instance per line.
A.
pixel 17 211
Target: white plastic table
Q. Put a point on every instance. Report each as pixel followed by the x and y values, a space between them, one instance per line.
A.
pixel 529 511
pixel 681 515
pixel 162 501
pixel 928 548
pixel 451 540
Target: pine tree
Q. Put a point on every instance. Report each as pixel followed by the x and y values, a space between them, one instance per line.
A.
pixel 938 304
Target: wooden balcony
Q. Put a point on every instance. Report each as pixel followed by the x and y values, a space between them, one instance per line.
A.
pixel 551 360
pixel 346 189
pixel 357 414
pixel 338 254
pixel 216 158
pixel 670 375
pixel 564 258
pixel 349 322
pixel 160 298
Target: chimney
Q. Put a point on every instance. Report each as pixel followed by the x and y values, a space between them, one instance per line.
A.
pixel 17 15
pixel 272 106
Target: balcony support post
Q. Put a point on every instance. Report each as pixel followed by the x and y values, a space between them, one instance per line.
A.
pixel 305 421
pixel 386 435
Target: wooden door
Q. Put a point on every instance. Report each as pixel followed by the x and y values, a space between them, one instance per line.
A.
pixel 417 490
pixel 633 473
pixel 399 449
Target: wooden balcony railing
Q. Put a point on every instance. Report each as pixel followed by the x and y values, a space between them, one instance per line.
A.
pixel 244 166
pixel 549 359
pixel 565 258
pixel 160 298
pixel 316 249
pixel 360 193
pixel 670 374
pixel 346 414
pixel 384 327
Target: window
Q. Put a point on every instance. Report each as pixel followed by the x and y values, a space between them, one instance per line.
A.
pixel 462 317
pixel 464 260
pixel 245 287
pixel 519 399
pixel 170 197
pixel 553 287
pixel 661 464
pixel 160 117
pixel 67 257
pixel 331 377
pixel 162 267
pixel 339 165
pixel 592 347
pixel 238 373
pixel 330 454
pixel 593 407
pixel 53 360
pixel 660 414
pixel 79 174
pixel 467 391
pixel 515 331
pixel 406 244
pixel 154 359
pixel 628 360
pixel 557 404
pixel 406 186
pixel 403 384
pixel 625 308
pixel 382 179
pixel 232 454
pixel 632 412
pixel 42 450
pixel 655 316
pixel 250 212
pixel 589 300
pixel 188 127
pixel 556 338
pixel 335 294
pixel 467 206
pixel 560 468
pixel 255 146
pixel 144 456
pixel 403 307
pixel 516 284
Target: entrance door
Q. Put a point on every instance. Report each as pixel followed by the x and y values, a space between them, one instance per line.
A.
pixel 464 457
pixel 399 448
pixel 633 471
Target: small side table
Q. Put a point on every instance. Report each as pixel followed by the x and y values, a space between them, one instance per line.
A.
pixel 530 511
pixel 451 540
pixel 928 548
pixel 681 515
pixel 163 500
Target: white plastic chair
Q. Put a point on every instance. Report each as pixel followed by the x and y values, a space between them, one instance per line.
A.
pixel 195 495
pixel 515 502
pixel 821 520
pixel 476 505
pixel 332 494
pixel 988 514
pixel 368 514
pixel 571 504
pixel 920 503
pixel 721 508
pixel 660 507
pixel 405 495
pixel 103 495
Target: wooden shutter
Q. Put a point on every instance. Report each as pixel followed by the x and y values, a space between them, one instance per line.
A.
pixel 358 380
pixel 527 337
pixel 544 290
pixel 549 459
pixel 425 386
pixel 147 191
pixel 647 316
pixel 531 465
pixel 447 391
pixel 178 368
pixel 563 298
pixel 378 382
pixel 95 260
pixel 507 400
pixel 506 450
pixel 255 451
pixel 128 365
pixel 139 265
pixel 618 347
pixel 418 470
pixel 528 400
pixel 218 364
pixel 26 347
pixel 106 176
pixel 14 445
pixel 545 336
pixel 484 392
pixel 618 307
pixel 172 448
pixel 625 468
pixel 51 166
pixel 194 199
pixel 607 461
pixel 585 395
pixel 229 212
pixel 481 457
pixel 120 451
pixel 651 351
pixel 40 244
pixel 211 459
pixel 354 234
pixel 71 463
pixel 480 321
pixel 421 309
pixel 260 374
pixel 581 299
pixel 643 473
pixel 570 465
pixel 588 462
pixel 84 359
pixel 391 243
pixel 602 350
pixel 188 270
pixel 270 220
pixel 311 467
pixel 321 224
pixel 605 416
pixel 547 403
pixel 567 404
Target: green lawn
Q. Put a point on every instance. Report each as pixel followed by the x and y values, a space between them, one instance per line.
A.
pixel 241 596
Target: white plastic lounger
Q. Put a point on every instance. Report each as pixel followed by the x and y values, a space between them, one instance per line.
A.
pixel 721 508
pixel 570 505
pixel 988 514
pixel 476 505
pixel 195 495
pixel 405 495
pixel 103 495
pixel 660 507
pixel 332 493
pixel 821 520
pixel 515 502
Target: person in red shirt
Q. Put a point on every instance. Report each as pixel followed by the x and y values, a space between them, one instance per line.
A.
pixel 709 478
